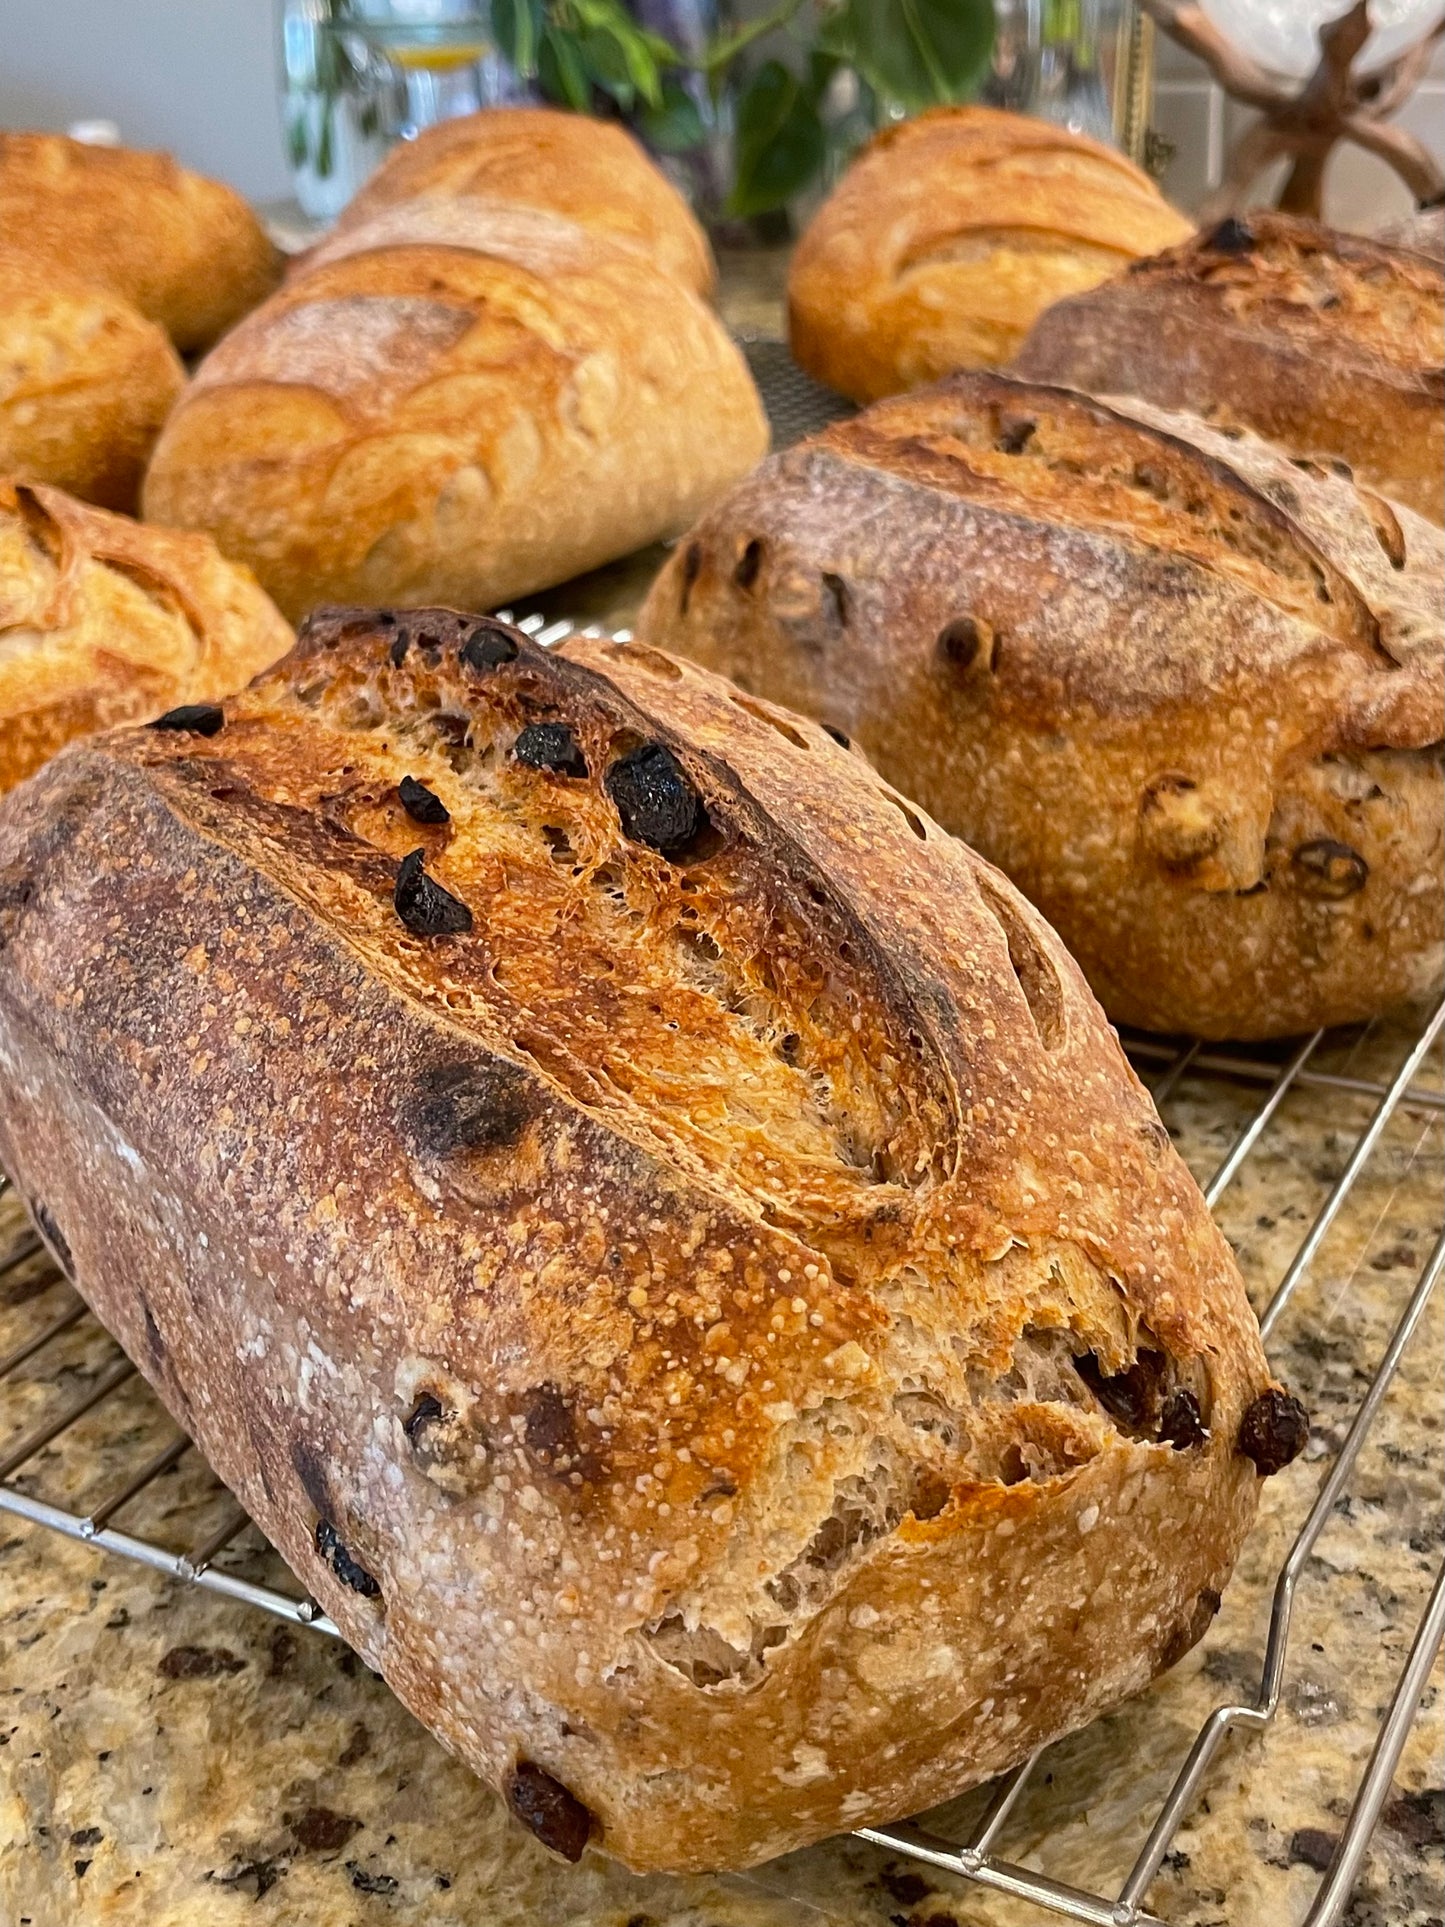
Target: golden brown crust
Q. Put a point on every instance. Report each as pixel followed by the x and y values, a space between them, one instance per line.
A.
pixel 85 383
pixel 589 171
pixel 186 251
pixel 1326 343
pixel 949 235
pixel 726 1333
pixel 104 622
pixel 457 402
pixel 1187 692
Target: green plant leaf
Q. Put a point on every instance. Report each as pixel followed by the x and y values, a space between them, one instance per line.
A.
pixel 517 25
pixel 560 71
pixel 606 64
pixel 780 141
pixel 916 52
pixel 675 125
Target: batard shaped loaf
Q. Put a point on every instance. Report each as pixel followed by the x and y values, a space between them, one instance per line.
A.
pixel 458 401
pixel 1329 344
pixel 590 171
pixel 103 621
pixel 85 383
pixel 657 1232
pixel 1185 691
pixel 186 251
pixel 948 236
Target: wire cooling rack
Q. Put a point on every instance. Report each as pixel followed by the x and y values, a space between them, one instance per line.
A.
pixel 1173 1070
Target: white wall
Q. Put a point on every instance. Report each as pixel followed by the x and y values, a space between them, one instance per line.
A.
pixel 195 76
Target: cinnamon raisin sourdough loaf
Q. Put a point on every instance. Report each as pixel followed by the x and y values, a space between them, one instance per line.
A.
pixel 658 1234
pixel 1188 693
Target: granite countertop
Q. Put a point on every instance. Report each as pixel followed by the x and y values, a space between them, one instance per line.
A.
pixel 173 1760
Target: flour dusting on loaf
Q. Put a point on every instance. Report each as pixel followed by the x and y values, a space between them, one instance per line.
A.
pixel 657 1232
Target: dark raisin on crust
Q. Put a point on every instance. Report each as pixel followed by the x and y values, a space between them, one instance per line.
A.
pixel 54 1237
pixel 655 800
pixel 347 1570
pixel 1014 434
pixel 1231 236
pixel 469 1104
pixel 488 647
pixel 550 746
pixel 423 905
pixel 1330 869
pixel 546 1808
pixel 1181 1424
pixel 549 1430
pixel 1273 1431
pixel 396 655
pixel 1189 1632
pixel 421 804
pixel 959 641
pixel 843 740
pixel 427 1410
pixel 201 719
pixel 312 1474
pixel 748 564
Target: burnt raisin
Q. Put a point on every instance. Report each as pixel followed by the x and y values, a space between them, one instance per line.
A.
pixel 329 1545
pixel 550 746
pixel 1182 1423
pixel 1015 432
pixel 843 740
pixel 1231 236
pixel 1330 869
pixel 1133 1397
pixel 657 803
pixel 396 655
pixel 960 641
pixel 1273 1431
pixel 201 719
pixel 421 804
pixel 469 1104
pixel 423 905
pixel 427 1410
pixel 546 1808
pixel 488 647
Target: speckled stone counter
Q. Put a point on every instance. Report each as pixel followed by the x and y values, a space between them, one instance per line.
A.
pixel 170 1759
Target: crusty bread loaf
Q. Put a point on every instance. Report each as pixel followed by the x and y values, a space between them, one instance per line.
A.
pixel 186 251
pixel 103 621
pixel 459 401
pixel 590 171
pixel 1188 693
pixel 1423 232
pixel 85 383
pixel 1326 343
pixel 950 234
pixel 657 1233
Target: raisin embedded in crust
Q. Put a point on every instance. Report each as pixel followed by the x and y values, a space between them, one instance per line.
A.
pixel 656 801
pixel 1273 1431
pixel 423 905
pixel 550 746
pixel 1181 1423
pixel 546 1808
pixel 1330 869
pixel 421 804
pixel 201 719
pixel 1230 237
pixel 427 1410
pixel 488 647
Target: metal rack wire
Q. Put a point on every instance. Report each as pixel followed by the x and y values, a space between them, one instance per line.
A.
pixel 1167 1067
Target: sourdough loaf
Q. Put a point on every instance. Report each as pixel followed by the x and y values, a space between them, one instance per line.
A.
pixel 458 401
pixel 1329 344
pixel 103 621
pixel 948 236
pixel 657 1233
pixel 590 171
pixel 186 251
pixel 85 383
pixel 1185 691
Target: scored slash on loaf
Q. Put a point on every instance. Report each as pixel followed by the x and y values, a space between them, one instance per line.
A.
pixel 718 1324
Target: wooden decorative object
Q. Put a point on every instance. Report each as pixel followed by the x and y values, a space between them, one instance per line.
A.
pixel 1334 104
